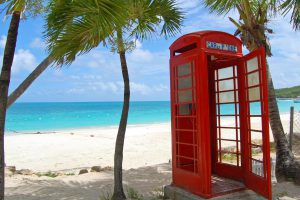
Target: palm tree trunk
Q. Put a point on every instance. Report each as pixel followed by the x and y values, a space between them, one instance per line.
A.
pixel 28 81
pixel 286 166
pixel 118 159
pixel 8 58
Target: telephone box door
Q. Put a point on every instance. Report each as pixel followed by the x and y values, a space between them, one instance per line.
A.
pixel 257 147
pixel 184 123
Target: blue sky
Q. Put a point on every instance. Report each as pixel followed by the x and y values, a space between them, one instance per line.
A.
pixel 96 76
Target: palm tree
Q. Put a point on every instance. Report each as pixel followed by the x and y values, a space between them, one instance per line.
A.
pixel 292 6
pixel 252 27
pixel 15 8
pixel 141 19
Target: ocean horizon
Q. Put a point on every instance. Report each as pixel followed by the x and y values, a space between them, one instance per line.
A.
pixel 52 116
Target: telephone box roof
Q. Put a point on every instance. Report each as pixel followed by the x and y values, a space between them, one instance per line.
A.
pixel 201 37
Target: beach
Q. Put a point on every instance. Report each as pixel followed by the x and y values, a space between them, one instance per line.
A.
pixel 145 145
pixel 147 156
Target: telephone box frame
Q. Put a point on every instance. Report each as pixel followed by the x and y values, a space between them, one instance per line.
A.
pixel 197 48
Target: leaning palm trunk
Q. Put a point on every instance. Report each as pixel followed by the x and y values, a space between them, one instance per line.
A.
pixel 29 80
pixel 286 165
pixel 118 159
pixel 4 85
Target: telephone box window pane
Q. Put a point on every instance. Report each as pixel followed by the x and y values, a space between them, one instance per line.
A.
pixel 225 73
pixel 255 108
pixel 226 85
pixel 256 138
pixel 252 64
pixel 253 79
pixel 229 134
pixel 226 97
pixel 257 168
pixel 227 109
pixel 185 109
pixel 184 83
pixel 256 123
pixel 184 69
pixel 185 96
pixel 254 94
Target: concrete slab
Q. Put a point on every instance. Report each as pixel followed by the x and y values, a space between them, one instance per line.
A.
pixel 176 193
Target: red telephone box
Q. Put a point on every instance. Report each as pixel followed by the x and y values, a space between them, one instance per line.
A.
pixel 219 116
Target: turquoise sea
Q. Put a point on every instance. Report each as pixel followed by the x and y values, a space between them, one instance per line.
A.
pixel 34 117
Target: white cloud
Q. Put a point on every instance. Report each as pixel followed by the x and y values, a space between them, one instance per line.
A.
pixel 284 64
pixel 23 60
pixel 2 41
pixel 141 55
pixel 38 43
pixel 140 88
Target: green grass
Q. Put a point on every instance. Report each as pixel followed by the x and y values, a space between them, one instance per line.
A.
pixel 158 194
pixel 133 194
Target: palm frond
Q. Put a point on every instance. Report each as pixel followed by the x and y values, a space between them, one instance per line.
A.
pixel 292 6
pixel 149 15
pixel 221 7
pixel 28 8
pixel 75 27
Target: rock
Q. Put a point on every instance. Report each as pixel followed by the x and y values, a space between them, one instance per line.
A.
pixel 83 171
pixel 24 172
pixel 96 169
pixel 8 172
pixel 11 168
pixel 107 168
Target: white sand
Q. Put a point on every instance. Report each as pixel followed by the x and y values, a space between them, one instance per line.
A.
pixel 70 150
pixel 145 145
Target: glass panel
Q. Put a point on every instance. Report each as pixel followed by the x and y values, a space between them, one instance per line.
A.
pixel 186 150
pixel 185 123
pixel 184 69
pixel 257 168
pixel 254 94
pixel 253 79
pixel 228 146
pixel 228 134
pixel 185 137
pixel 226 97
pixel 256 138
pixel 252 64
pixel 184 83
pixel 255 108
pixel 185 109
pixel 185 96
pixel 256 123
pixel 226 85
pixel 186 164
pixel 227 121
pixel 227 109
pixel 225 73
pixel 229 158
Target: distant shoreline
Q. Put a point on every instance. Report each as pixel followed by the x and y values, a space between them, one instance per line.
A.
pixel 55 131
